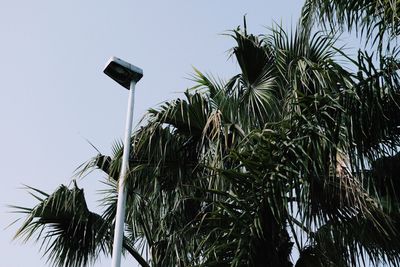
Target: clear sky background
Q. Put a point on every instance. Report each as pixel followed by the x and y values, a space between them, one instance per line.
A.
pixel 53 94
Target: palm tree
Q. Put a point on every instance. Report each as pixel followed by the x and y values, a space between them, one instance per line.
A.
pixel 294 152
pixel 307 175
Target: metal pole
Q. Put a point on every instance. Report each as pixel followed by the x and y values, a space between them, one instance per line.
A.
pixel 120 216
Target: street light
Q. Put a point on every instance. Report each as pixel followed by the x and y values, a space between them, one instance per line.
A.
pixel 126 75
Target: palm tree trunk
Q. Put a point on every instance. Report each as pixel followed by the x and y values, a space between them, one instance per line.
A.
pixel 274 248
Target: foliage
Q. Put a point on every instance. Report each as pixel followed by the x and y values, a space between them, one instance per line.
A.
pixel 295 152
pixel 376 19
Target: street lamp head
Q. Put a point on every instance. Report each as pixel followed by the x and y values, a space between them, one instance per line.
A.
pixel 122 72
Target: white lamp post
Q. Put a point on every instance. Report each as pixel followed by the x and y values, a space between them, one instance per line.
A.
pixel 126 75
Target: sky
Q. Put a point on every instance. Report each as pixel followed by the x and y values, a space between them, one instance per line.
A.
pixel 54 96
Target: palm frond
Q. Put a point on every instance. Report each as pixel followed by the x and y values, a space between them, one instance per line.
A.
pixel 71 234
pixel 376 19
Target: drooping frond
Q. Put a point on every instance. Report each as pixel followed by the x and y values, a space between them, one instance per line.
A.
pixel 71 235
pixel 377 19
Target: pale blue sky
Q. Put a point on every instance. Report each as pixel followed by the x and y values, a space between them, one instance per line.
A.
pixel 53 93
